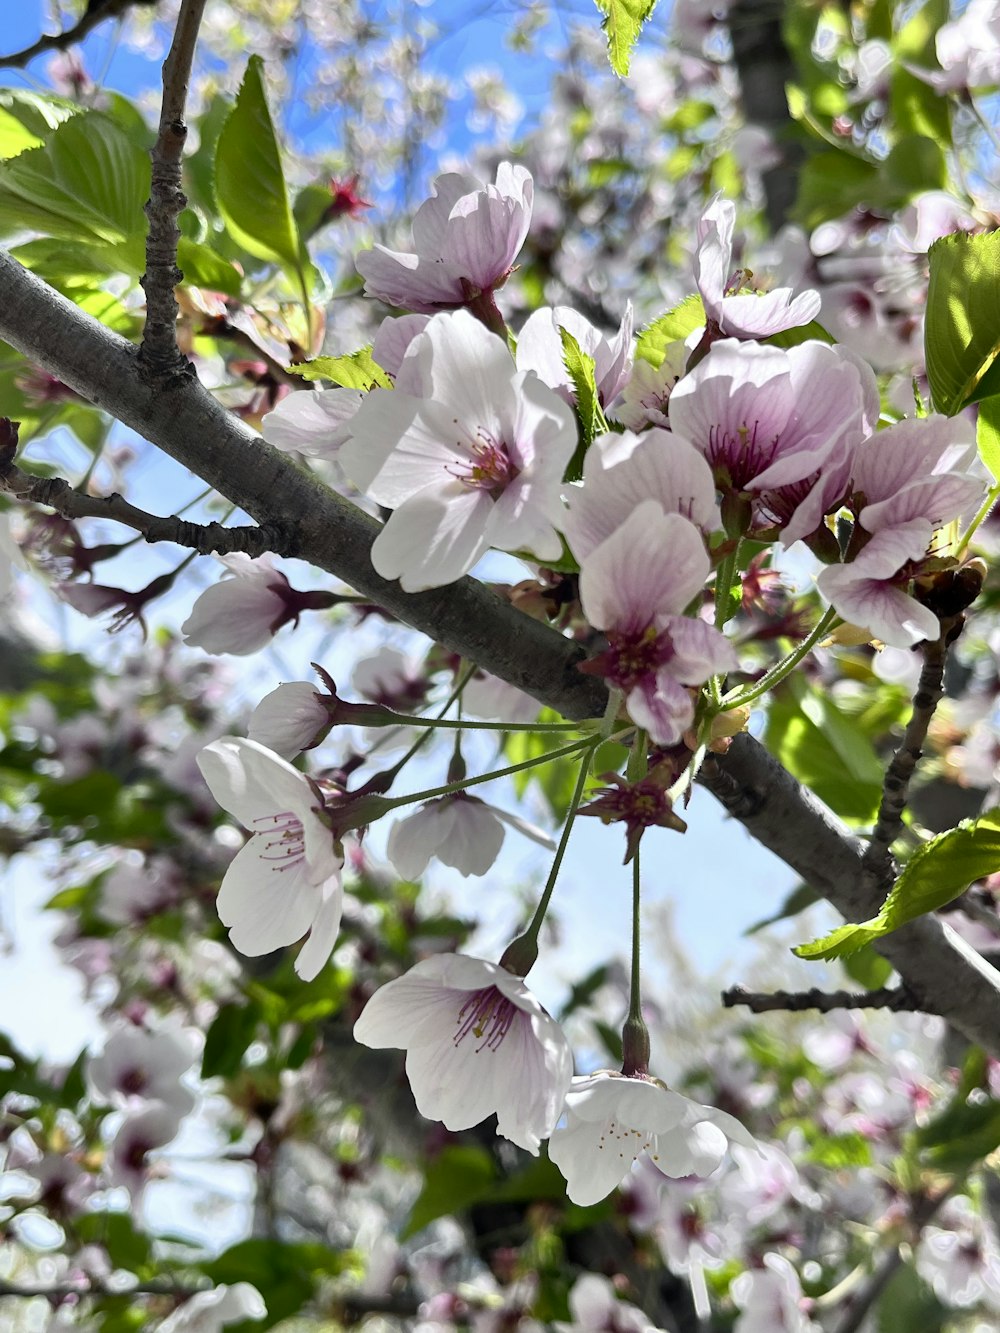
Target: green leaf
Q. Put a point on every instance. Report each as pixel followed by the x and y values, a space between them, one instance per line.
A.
pixel 831 184
pixel 202 267
pixel 622 22
pixel 356 371
pixel 914 106
pixel 674 326
pixel 14 136
pixel 797 901
pixel 825 749
pixel 936 873
pixel 37 115
pixel 966 1131
pixel 909 1303
pixel 249 180
pixel 284 1272
pixel 580 367
pixel 88 183
pixel 867 968
pixel 835 1151
pixel 233 1029
pixel 962 323
pixel 988 434
pixel 915 163
pixel 456 1178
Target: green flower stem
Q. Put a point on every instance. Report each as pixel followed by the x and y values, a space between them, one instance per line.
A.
pixel 724 577
pixel 429 724
pixel 984 509
pixel 737 698
pixel 531 934
pixel 463 724
pixel 449 788
pixel 635 987
pixel 637 758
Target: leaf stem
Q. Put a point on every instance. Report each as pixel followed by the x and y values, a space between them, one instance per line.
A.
pixel 991 498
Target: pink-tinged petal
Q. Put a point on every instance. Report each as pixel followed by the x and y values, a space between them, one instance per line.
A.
pixel 314 424
pixel 475 839
pixel 402 280
pixel 591 1168
pixel 288 720
pixel 917 469
pixel 265 909
pixel 542 433
pixel 661 707
pixel 401 1011
pixel 862 593
pixel 485 233
pixel 432 540
pixel 413 840
pixel 323 932
pixel 232 616
pixel 751 316
pixel 385 416
pixel 715 253
pixel 654 564
pixel 468 368
pixel 248 780
pixel 700 650
pixel 734 1130
pixel 693 1151
pixel 393 340
pixel 620 471
pixel 430 222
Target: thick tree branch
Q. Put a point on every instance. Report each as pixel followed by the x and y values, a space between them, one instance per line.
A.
pixel 944 974
pixel 159 354
pixel 96 12
pixel 896 998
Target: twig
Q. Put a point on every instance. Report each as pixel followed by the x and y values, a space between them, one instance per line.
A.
pixel 205 538
pixel 923 1212
pixel 979 912
pixel 876 864
pixel 97 11
pixel 895 998
pixel 159 354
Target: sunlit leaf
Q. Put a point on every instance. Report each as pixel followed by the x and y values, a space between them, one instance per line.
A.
pixel 357 371
pixel 935 874
pixel 622 22
pixel 962 323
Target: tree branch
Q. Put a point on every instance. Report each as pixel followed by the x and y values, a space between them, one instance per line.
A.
pixel 944 974
pixel 205 538
pixel 96 12
pixel 877 862
pixel 159 354
pixel 896 998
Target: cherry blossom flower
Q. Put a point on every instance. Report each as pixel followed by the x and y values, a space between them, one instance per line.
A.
pixel 137 1137
pixel 133 893
pixel 148 1066
pixel 621 471
pixel 466 237
pixel 646 397
pixel 391 678
pixel 477 1042
pixel 770 1299
pixel 393 339
pixel 778 424
pixel 968 50
pixel 595 1308
pixel 211 1311
pixel 908 480
pixel 290 719
pixel 747 316
pixel 635 586
pixel 286 880
pixel 460 830
pixel 870 590
pixel 241 614
pixel 539 348
pixel 314 424
pixel 475 461
pixel 612 1119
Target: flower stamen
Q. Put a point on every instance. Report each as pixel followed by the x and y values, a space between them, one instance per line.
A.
pixel 487 1014
pixel 289 842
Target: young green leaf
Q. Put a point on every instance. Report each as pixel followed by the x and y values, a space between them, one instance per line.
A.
pixel 356 371
pixel 588 408
pixel 962 324
pixel 249 180
pixel 621 24
pixel 674 326
pixel 988 434
pixel 935 874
